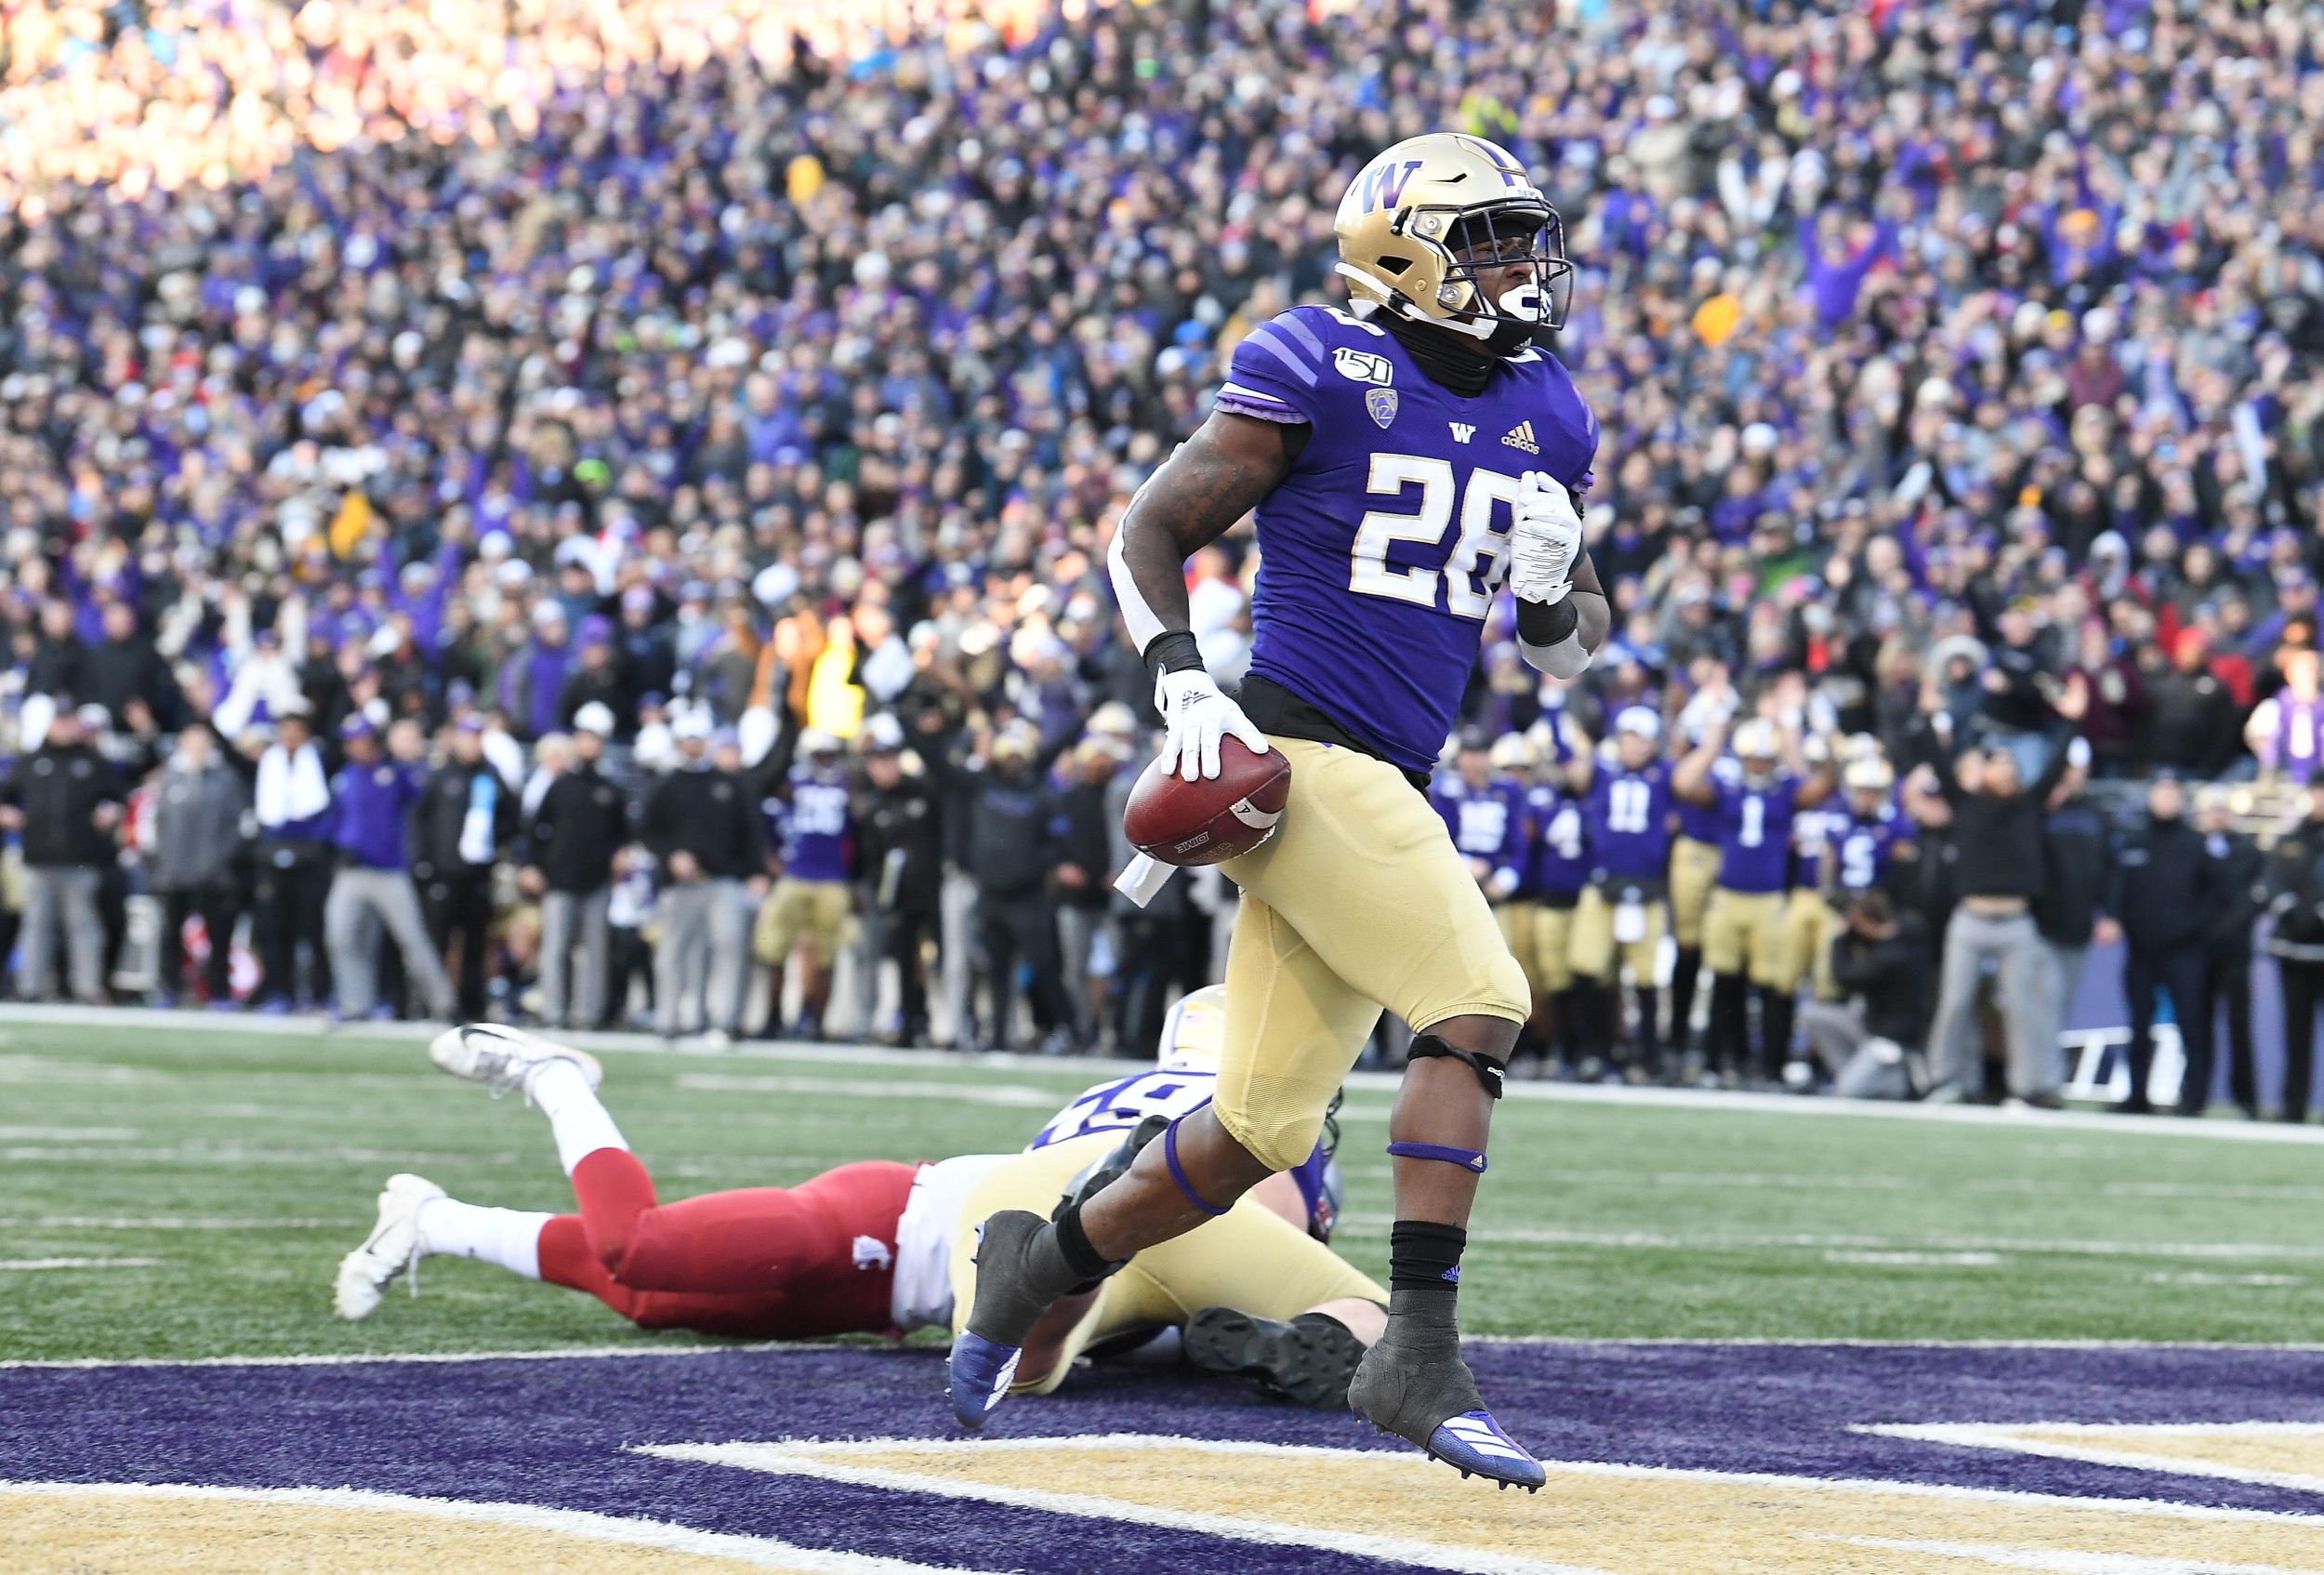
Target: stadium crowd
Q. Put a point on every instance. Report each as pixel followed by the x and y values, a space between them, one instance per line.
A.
pixel 473 480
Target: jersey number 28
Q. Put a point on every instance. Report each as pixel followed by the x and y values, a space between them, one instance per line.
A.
pixel 1474 567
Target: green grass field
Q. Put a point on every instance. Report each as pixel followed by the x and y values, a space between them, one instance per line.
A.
pixel 179 1191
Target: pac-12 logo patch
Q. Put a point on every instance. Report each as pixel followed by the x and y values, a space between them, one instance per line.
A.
pixel 1363 367
pixel 1380 404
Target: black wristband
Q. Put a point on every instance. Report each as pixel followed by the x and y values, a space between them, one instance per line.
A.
pixel 1174 651
pixel 1547 623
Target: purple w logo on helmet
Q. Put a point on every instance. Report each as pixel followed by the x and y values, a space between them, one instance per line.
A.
pixel 1384 185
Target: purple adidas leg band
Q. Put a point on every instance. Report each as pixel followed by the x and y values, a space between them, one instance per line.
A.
pixel 1467 1158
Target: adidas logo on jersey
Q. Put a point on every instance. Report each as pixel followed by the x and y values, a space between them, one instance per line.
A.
pixel 1463 431
pixel 1521 436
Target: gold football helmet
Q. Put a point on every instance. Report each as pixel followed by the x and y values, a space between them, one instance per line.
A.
pixel 1424 218
pixel 1871 776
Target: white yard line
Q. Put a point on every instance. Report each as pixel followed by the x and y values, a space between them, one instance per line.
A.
pixel 809 1461
pixel 2011 1438
pixel 660 1535
pixel 29 1265
pixel 1150 1441
pixel 68 1135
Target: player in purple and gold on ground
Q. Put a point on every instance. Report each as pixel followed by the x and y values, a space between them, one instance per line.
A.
pixel 1403 459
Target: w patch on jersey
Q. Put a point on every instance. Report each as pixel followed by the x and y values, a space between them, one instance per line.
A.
pixel 1521 436
pixel 1380 404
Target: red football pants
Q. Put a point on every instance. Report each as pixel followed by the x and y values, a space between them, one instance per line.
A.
pixel 763 1263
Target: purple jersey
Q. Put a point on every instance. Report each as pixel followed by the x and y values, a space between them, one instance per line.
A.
pixel 1700 822
pixel 2295 743
pixel 1487 823
pixel 1813 833
pixel 814 828
pixel 1559 867
pixel 1628 821
pixel 1382 551
pixel 1866 846
pixel 1755 833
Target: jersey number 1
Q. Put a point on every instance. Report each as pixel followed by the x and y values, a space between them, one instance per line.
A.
pixel 1468 580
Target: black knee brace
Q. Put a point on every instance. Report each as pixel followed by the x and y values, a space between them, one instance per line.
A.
pixel 1488 1071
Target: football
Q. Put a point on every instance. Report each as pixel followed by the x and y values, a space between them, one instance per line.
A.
pixel 1212 818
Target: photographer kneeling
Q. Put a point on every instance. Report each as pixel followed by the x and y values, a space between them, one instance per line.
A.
pixel 1868 1040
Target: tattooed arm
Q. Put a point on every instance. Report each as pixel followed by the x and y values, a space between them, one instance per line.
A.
pixel 1214 479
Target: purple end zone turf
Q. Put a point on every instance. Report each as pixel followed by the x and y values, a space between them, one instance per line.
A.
pixel 553 1432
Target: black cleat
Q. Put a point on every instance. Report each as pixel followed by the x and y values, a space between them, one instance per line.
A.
pixel 1307 1361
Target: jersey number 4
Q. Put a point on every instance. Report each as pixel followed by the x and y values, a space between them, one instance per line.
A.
pixel 1472 572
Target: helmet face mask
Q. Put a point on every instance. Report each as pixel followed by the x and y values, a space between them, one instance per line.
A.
pixel 1449 229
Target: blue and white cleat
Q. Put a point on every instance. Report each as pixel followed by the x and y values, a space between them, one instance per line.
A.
pixel 977 1376
pixel 1475 1442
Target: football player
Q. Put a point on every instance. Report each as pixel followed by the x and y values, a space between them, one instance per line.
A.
pixel 1403 460
pixel 1483 806
pixel 1255 1291
pixel 1556 872
pixel 1619 920
pixel 810 817
pixel 872 1247
pixel 1744 939
pixel 860 1249
pixel 1865 841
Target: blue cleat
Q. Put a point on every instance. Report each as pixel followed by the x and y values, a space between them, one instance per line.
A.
pixel 1475 1442
pixel 977 1376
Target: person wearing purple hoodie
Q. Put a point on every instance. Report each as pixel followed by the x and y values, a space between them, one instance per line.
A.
pixel 532 682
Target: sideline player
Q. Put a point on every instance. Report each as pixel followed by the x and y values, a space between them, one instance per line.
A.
pixel 871 1247
pixel 1402 459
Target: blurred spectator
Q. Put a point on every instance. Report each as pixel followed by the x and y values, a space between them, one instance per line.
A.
pixel 466 815
pixel 1085 868
pixel 2286 731
pixel 902 855
pixel 2077 874
pixel 292 800
pixel 1996 822
pixel 2294 887
pixel 703 825
pixel 2190 714
pixel 1012 828
pixel 372 800
pixel 66 800
pixel 2236 885
pixel 200 839
pixel 2165 889
pixel 571 840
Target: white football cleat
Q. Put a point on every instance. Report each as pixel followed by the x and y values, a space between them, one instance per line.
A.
pixel 501 1058
pixel 395 1244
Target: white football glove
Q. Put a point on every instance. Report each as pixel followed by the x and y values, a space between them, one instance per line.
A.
pixel 1544 540
pixel 1199 715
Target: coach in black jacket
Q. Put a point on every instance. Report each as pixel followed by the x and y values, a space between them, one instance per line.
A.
pixel 464 817
pixel 579 824
pixel 2293 888
pixel 2165 893
pixel 66 798
pixel 900 847
pixel 2227 937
